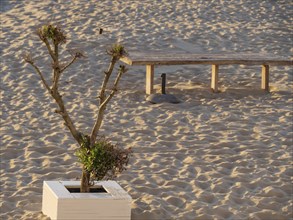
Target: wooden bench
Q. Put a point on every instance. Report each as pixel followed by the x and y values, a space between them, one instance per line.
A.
pixel 152 59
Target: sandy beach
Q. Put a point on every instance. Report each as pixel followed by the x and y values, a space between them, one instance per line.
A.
pixel 215 156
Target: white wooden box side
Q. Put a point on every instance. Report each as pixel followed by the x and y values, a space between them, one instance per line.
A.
pixel 59 203
pixel 49 202
pixel 78 209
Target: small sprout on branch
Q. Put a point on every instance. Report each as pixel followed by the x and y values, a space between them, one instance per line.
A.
pixel 117 51
pixel 28 58
pixel 76 53
pixel 52 32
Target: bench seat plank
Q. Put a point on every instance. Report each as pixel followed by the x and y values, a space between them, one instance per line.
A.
pixel 179 58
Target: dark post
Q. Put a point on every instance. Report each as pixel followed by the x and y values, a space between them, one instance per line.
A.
pixel 101 31
pixel 163 83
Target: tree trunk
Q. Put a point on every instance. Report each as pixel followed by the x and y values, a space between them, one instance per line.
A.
pixel 85 181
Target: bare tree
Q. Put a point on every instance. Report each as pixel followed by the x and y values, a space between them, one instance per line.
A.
pixel 91 148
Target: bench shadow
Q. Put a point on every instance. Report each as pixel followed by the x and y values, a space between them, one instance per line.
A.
pixel 206 92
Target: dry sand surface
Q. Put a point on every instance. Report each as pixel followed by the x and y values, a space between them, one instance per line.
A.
pixel 214 156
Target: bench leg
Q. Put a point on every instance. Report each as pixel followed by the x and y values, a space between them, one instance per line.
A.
pixel 214 79
pixel 265 77
pixel 149 79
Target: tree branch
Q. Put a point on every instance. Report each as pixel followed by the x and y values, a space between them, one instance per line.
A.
pixel 114 89
pixel 30 61
pixel 45 40
pixel 71 62
pixel 106 79
pixel 56 68
pixel 58 98
pixel 56 49
pixel 103 105
pixel 56 78
pixel 63 112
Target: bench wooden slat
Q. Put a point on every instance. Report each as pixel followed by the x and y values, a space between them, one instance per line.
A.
pixel 173 58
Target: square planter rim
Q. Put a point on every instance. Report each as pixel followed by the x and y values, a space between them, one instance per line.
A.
pixel 114 190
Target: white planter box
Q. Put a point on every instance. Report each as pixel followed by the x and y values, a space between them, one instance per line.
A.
pixel 58 203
